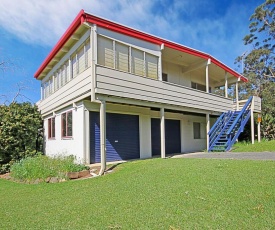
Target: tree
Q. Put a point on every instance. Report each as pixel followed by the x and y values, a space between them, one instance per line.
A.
pixel 259 63
pixel 19 131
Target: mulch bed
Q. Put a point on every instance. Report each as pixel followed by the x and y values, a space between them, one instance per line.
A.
pixel 93 173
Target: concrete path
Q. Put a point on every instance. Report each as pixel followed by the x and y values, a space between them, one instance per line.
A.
pixel 230 155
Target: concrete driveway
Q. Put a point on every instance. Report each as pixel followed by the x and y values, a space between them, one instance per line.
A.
pixel 230 155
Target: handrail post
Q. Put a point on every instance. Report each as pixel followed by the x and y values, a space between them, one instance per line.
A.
pixel 239 116
pixel 252 121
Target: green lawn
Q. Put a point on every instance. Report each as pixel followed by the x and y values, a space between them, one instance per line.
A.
pixel 257 147
pixel 149 194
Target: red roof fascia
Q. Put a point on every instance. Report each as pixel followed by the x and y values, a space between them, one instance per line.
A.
pixel 149 38
pixel 80 18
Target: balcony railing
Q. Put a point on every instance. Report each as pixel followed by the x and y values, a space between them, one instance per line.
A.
pixel 121 84
pixel 255 105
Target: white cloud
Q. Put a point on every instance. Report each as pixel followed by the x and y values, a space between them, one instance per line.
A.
pixel 44 21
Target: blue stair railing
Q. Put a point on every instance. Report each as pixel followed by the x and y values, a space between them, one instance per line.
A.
pixel 228 127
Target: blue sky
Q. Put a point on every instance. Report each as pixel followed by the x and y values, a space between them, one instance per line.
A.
pixel 29 29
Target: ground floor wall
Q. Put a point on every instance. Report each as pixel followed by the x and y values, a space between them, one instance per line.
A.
pixel 65 146
pixel 79 144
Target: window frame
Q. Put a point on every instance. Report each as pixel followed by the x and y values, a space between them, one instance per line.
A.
pixel 51 128
pixel 198 86
pixel 197 132
pixel 164 77
pixel 66 136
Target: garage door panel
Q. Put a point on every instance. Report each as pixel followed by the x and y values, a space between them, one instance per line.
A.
pixel 122 137
pixel 172 136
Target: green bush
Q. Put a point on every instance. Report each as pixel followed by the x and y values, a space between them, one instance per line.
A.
pixel 20 132
pixel 42 167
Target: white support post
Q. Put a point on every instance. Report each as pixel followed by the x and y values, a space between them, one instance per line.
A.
pixel 93 44
pixel 130 59
pixel 86 134
pixel 207 75
pixel 252 121
pixel 162 132
pixel 102 137
pixel 226 85
pixel 259 131
pixel 70 69
pixel 144 64
pixel 237 95
pixel 160 63
pixel 207 130
pixel 114 54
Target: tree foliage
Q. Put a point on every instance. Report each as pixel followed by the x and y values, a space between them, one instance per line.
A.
pixel 19 126
pixel 259 63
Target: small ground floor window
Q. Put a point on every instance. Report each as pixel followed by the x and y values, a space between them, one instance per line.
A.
pixel 67 124
pixel 51 128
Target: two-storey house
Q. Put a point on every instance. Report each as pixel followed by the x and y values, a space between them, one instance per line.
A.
pixel 110 92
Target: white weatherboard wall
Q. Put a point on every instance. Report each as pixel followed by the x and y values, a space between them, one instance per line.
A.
pixel 176 76
pixel 71 146
pixel 188 143
pixel 76 145
pixel 145 136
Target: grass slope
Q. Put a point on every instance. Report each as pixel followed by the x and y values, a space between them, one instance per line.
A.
pixel 262 146
pixel 149 194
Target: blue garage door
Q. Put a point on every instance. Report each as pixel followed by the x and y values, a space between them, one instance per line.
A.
pixel 172 136
pixel 122 137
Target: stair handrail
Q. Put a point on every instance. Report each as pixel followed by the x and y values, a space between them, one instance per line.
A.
pixel 240 115
pixel 219 127
pixel 216 123
pixel 232 141
pixel 223 128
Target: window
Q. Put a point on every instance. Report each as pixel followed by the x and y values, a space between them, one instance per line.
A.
pixel 81 60
pixel 200 87
pixel 137 62
pixel 67 124
pixel 62 76
pixel 122 57
pixel 67 67
pixel 105 52
pixel 164 77
pixel 56 84
pixel 88 54
pixel 151 66
pixel 51 128
pixel 74 65
pixel 197 130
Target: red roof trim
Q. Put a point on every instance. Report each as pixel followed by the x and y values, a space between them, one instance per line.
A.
pixel 74 25
pixel 82 17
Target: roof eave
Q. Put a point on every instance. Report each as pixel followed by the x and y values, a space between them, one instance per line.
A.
pixel 74 25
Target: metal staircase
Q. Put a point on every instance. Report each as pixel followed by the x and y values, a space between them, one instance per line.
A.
pixel 228 127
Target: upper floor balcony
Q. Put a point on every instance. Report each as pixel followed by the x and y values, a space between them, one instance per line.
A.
pixel 119 84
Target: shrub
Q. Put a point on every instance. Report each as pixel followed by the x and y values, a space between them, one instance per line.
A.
pixel 42 167
pixel 20 132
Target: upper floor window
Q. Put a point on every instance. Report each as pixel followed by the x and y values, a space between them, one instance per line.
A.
pixel 67 124
pixel 122 57
pixel 51 128
pixel 125 58
pixel 79 61
pixel 198 86
pixel 164 77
